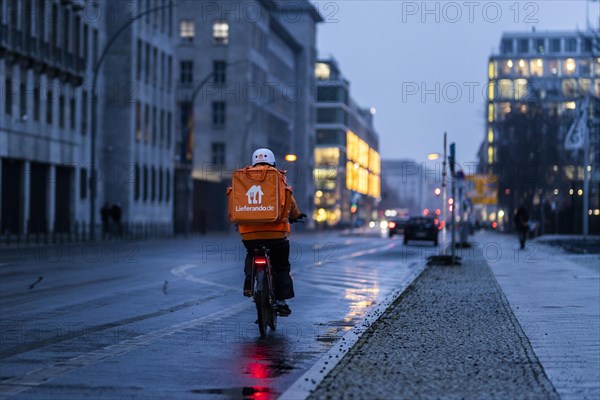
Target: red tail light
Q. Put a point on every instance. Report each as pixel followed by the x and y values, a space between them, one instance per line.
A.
pixel 391 225
pixel 494 224
pixel 260 260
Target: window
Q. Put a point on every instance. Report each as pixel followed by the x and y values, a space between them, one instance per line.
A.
pixel 162 127
pixel 154 127
pixel 218 113
pixel 153 182
pixel 523 45
pixel 147 122
pixel 138 71
pixel 168 186
pixel 36 101
pixel 569 66
pixel 162 70
pixel 61 111
pixel 8 96
pixel 555 45
pixel 83 183
pixel 506 46
pixel 138 121
pixel 160 184
pixel 221 32
pixel 49 104
pixel 568 87
pixel 169 130
pixel 522 68
pixel 22 100
pixel 537 67
pixel 187 30
pixel 186 72
pixel 169 72
pixel 72 111
pixel 147 63
pixel 218 154
pixel 84 112
pixel 571 44
pixel 219 72
pixel 136 183
pixel 85 41
pixel 95 46
pixel 145 183
pixel 155 67
pixel 540 46
pixel 587 45
pixel 554 67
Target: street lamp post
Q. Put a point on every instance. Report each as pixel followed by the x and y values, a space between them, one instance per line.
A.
pixel 95 71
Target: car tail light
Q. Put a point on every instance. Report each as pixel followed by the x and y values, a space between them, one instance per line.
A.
pixel 391 225
pixel 494 224
pixel 260 260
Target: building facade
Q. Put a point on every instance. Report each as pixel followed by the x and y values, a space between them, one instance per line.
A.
pixel 139 102
pixel 538 82
pixel 245 80
pixel 347 164
pixel 47 49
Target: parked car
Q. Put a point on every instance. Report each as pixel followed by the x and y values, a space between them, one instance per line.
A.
pixel 421 228
pixel 396 227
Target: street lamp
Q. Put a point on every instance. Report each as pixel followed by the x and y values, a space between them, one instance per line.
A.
pixel 433 156
pixel 290 157
pixel 95 70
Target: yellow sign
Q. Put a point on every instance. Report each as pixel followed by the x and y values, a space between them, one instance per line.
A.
pixel 482 189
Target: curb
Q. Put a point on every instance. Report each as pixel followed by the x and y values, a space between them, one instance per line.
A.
pixel 306 384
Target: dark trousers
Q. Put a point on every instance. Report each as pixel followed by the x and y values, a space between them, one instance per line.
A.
pixel 280 264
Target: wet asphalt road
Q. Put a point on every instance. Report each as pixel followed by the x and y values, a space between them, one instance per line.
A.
pixel 166 319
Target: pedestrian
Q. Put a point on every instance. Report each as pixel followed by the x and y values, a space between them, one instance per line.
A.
pixel 116 212
pixel 522 224
pixel 105 213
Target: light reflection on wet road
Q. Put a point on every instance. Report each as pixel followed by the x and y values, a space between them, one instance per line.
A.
pixel 174 324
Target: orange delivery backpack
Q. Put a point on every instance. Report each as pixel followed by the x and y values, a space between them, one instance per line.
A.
pixel 257 195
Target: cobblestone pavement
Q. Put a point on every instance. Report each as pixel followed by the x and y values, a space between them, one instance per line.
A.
pixel 450 335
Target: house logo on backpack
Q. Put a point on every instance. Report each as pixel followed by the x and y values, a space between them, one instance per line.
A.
pixel 255 195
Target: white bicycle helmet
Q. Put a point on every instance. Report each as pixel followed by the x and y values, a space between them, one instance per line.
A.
pixel 263 156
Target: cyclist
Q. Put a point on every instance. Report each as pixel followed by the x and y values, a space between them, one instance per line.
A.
pixel 274 237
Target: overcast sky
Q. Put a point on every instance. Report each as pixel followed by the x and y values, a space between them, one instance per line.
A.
pixel 392 49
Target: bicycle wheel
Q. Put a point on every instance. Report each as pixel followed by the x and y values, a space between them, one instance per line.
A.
pixel 263 308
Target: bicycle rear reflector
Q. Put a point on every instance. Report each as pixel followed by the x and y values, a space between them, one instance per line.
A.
pixel 260 260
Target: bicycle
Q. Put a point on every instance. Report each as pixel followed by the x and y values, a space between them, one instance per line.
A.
pixel 262 291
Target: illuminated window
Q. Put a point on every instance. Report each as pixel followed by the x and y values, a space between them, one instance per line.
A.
pixel 537 67
pixel 187 30
pixel 506 67
pixel 374 162
pixel 597 68
pixel 554 67
pixel 322 71
pixel 221 32
pixel 597 87
pixel 490 113
pixel 352 146
pixel 327 156
pixel 491 88
pixel 492 70
pixel 505 89
pixel 363 154
pixel 569 66
pixel 522 68
pixel 585 67
pixel 585 86
pixel 490 155
pixel 520 88
pixel 490 135
pixel 503 110
pixel 568 87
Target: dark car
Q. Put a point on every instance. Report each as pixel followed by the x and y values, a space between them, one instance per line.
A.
pixel 421 228
pixel 396 227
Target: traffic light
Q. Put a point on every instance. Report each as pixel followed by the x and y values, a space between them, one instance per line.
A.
pixel 353 208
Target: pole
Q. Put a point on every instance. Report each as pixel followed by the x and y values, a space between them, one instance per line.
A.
pixel 454 202
pixel 95 70
pixel 586 186
pixel 444 198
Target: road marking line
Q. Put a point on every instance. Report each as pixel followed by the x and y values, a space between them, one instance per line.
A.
pixel 181 272
pixel 19 384
pixel 307 383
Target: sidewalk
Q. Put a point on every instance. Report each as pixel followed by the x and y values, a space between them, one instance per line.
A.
pixel 452 334
pixel 555 296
